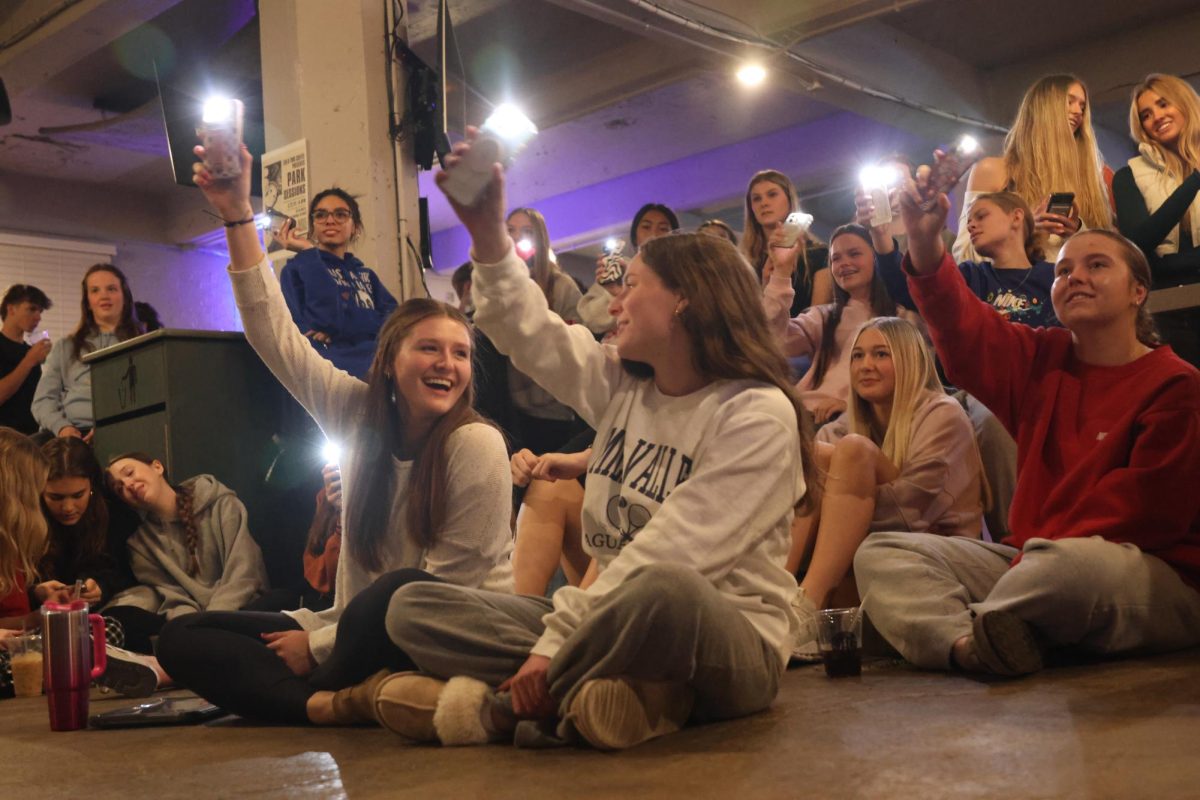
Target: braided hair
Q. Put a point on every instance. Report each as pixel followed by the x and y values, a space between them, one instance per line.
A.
pixel 184 507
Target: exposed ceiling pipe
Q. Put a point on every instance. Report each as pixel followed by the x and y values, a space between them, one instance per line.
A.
pixel 783 51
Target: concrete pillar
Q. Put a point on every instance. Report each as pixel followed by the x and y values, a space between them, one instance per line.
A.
pixel 324 69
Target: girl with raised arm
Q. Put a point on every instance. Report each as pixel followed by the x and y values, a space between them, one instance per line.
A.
pixel 690 493
pixel 824 332
pixel 426 496
pixel 1104 554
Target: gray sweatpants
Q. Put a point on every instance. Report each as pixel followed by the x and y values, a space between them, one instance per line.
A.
pixel 922 591
pixel 664 623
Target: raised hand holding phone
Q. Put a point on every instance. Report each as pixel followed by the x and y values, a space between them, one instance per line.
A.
pixel 924 224
pixel 484 219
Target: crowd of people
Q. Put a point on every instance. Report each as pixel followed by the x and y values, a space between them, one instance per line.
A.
pixel 982 439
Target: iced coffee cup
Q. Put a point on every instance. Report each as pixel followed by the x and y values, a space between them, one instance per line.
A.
pixel 26 659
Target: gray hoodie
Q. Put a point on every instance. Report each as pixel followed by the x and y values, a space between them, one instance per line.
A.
pixel 231 566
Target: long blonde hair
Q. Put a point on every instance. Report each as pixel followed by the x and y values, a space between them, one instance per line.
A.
pixel 23 471
pixel 1042 156
pixel 1186 158
pixel 916 378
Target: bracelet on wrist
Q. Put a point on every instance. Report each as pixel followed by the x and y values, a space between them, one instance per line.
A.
pixel 237 222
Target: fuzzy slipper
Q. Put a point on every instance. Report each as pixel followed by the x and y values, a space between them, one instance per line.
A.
pixel 426 709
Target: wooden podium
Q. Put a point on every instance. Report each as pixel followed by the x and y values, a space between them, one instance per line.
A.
pixel 203 402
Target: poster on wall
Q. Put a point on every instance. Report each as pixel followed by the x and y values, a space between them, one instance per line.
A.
pixel 285 189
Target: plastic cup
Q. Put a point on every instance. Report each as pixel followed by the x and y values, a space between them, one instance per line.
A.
pixel 26 661
pixel 839 639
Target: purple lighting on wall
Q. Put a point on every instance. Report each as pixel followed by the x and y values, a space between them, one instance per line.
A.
pixel 839 141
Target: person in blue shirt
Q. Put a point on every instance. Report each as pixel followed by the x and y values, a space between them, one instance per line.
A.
pixel 1013 277
pixel 335 300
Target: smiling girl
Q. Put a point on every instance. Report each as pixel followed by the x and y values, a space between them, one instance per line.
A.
pixel 1104 554
pixel 336 301
pixel 691 486
pixel 426 496
pixel 62 403
pixel 1156 193
pixel 825 331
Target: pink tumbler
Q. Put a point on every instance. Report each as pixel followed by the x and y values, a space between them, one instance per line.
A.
pixel 71 640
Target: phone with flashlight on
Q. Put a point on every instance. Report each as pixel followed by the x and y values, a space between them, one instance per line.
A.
pixel 613 269
pixel 220 132
pixel 503 135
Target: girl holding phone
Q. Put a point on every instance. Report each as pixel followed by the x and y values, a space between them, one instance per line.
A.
pixel 336 301
pixel 650 222
pixel 426 495
pixel 1050 148
pixel 770 198
pixel 688 617
pixel 87 532
pixel 825 332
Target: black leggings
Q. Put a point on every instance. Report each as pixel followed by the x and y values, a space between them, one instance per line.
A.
pixel 139 626
pixel 221 656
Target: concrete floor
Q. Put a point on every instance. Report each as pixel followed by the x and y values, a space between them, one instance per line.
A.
pixel 1125 729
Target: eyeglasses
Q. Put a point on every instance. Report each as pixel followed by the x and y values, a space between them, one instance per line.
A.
pixel 340 214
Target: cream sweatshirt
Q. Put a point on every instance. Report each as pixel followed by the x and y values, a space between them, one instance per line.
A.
pixel 707 480
pixel 474 547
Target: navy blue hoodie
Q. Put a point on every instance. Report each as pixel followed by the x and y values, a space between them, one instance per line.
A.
pixel 340 298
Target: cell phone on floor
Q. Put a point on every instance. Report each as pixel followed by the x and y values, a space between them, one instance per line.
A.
pixel 1061 203
pixel 159 711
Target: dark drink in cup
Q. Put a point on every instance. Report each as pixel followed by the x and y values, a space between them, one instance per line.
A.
pixel 843 659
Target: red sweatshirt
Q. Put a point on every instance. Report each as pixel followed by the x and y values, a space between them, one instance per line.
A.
pixel 16 602
pixel 1101 451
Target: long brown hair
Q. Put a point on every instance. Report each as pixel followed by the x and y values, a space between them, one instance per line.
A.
pixel 127 328
pixel 1042 155
pixel 726 325
pixel 542 269
pixel 184 507
pixel 754 238
pixel 882 304
pixel 1139 270
pixel 379 435
pixel 23 471
pixel 69 457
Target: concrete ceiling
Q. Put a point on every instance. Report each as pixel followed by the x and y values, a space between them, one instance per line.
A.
pixel 635 101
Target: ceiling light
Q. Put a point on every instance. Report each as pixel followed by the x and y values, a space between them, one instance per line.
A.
pixel 751 74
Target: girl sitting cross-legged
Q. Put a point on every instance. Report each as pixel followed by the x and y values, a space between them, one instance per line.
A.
pixel 1104 554
pixel 426 496
pixel 690 491
pixel 903 458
